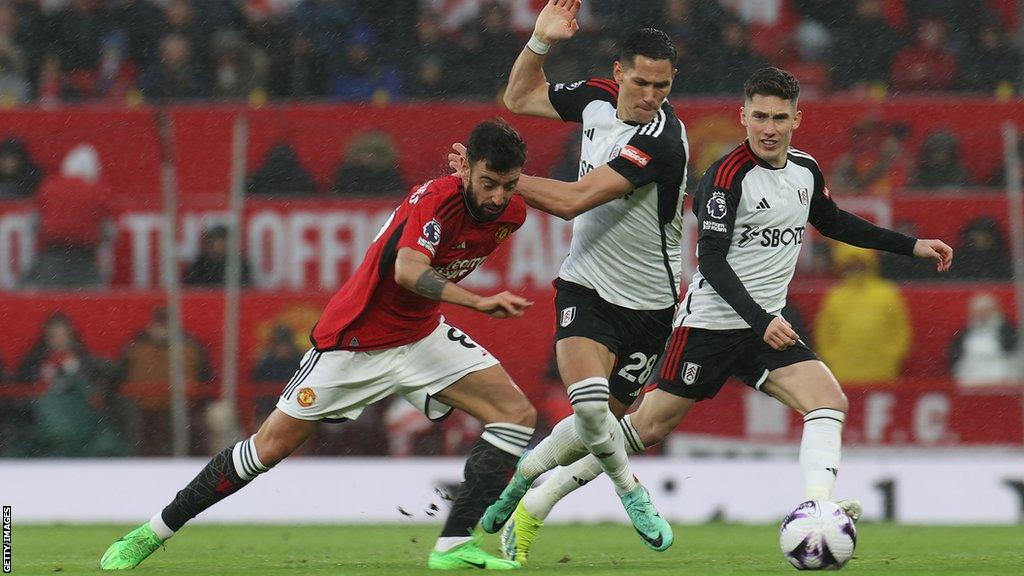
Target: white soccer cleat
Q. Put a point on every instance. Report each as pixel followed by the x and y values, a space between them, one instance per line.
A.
pixel 852 508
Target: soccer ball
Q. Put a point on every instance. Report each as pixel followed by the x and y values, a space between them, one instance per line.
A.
pixel 818 535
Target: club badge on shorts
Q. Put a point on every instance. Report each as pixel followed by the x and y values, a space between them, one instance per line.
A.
pixel 568 315
pixel 690 372
pixel 306 397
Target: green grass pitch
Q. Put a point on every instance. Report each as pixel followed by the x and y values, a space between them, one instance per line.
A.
pixel 605 549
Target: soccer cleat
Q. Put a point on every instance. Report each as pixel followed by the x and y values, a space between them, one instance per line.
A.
pixel 131 549
pixel 852 508
pixel 652 528
pixel 519 534
pixel 468 556
pixel 498 513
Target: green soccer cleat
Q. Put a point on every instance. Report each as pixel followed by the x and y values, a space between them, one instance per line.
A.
pixel 468 556
pixel 652 528
pixel 131 549
pixel 519 534
pixel 498 513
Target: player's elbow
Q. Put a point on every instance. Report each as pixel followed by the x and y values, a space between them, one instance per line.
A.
pixel 513 104
pixel 405 275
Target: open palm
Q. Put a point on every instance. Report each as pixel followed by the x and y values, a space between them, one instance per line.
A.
pixel 557 21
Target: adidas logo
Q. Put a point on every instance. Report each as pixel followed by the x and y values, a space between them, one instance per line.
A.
pixel 763 205
pixel 460 246
pixel 589 133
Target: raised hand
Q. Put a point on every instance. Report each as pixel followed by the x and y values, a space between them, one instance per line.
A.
pixel 458 161
pixel 557 21
pixel 936 250
pixel 503 305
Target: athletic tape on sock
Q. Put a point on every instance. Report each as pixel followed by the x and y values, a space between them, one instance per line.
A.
pixel 511 438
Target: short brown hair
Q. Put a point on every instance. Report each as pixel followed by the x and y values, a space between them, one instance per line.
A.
pixel 772 81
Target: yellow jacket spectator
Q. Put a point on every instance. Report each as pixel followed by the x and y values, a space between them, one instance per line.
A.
pixel 862 331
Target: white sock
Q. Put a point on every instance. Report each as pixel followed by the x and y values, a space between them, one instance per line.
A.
pixel 446 543
pixel 820 451
pixel 562 446
pixel 541 499
pixel 600 432
pixel 156 524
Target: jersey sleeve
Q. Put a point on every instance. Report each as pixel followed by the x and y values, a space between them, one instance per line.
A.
pixel 424 228
pixel 715 206
pixel 569 100
pixel 651 154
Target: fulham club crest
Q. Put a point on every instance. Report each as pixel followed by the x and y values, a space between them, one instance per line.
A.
pixel 568 315
pixel 690 372
pixel 804 196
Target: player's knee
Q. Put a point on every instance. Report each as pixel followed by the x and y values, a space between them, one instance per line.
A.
pixel 839 402
pixel 520 412
pixel 589 414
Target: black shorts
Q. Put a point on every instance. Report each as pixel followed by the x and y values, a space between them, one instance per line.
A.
pixel 697 362
pixel 636 337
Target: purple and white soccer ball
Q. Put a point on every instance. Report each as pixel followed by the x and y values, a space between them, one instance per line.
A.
pixel 818 535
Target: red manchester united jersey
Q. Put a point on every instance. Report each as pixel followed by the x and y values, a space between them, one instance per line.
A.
pixel 371 311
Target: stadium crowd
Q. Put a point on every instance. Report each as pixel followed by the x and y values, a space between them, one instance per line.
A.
pixel 128 51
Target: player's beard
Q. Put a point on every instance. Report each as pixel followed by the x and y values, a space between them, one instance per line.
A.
pixel 486 212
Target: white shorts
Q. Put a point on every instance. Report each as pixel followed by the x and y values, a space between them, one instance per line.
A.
pixel 339 384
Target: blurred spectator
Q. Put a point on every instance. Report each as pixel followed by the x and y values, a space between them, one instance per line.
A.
pixel 281 175
pixel 361 76
pixel 863 47
pixel 982 253
pixel 59 349
pixel 280 359
pixel 325 23
pixel 939 165
pixel 77 30
pixel 210 267
pixel 19 175
pixel 966 17
pixel 731 62
pixel 863 329
pixel 233 67
pixel 877 162
pixel 926 65
pixel 370 167
pixel 145 377
pixel 488 51
pixel 991 63
pixel 985 350
pixel 14 85
pixel 300 73
pixel 75 417
pixel 139 22
pixel 73 209
pixel 52 85
pixel 175 74
pixel 180 18
pixel 429 56
pixel 693 22
pixel 115 76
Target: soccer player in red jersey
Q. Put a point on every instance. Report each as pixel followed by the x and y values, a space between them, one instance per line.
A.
pixel 382 333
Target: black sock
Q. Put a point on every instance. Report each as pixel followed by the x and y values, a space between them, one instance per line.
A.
pixel 217 480
pixel 488 469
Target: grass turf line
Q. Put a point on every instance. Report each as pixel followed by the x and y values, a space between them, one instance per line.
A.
pixel 595 550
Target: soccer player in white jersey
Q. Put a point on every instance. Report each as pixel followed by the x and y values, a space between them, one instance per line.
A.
pixel 617 289
pixel 752 208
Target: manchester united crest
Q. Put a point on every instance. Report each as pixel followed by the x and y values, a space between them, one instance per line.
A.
pixel 502 233
pixel 306 397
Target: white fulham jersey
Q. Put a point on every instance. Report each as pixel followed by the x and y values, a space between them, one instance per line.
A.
pixel 763 212
pixel 627 249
